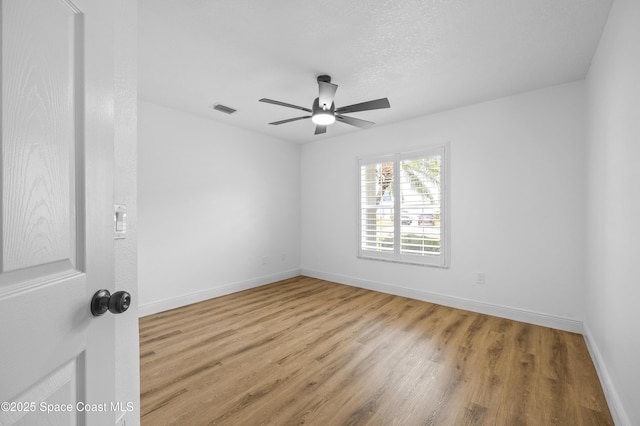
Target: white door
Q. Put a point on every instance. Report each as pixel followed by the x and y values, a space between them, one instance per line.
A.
pixel 56 212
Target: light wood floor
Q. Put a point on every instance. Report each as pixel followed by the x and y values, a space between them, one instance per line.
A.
pixel 307 351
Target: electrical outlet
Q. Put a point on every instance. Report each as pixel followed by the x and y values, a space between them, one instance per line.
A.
pixel 480 278
pixel 265 260
pixel 284 257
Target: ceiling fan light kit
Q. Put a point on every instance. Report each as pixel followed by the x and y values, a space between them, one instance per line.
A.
pixel 324 112
pixel 323 115
pixel 323 118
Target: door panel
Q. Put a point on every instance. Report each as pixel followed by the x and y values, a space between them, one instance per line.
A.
pixel 56 187
pixel 53 394
pixel 40 54
pixel 47 329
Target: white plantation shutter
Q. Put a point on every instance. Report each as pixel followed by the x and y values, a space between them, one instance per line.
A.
pixel 402 210
pixel 420 205
pixel 376 206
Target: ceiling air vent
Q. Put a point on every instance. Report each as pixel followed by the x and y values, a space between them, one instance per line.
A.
pixel 223 108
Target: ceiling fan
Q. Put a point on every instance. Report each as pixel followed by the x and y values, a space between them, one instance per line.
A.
pixel 324 112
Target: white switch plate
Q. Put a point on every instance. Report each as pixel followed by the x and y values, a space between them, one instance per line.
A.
pixel 119 221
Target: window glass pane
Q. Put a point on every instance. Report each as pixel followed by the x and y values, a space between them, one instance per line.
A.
pixel 420 204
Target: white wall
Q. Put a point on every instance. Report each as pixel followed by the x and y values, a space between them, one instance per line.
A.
pixel 517 207
pixel 125 151
pixel 219 208
pixel 613 226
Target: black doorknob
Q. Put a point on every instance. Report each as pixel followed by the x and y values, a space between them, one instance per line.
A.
pixel 104 301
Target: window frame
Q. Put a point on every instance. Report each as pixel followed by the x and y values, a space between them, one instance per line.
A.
pixel 441 260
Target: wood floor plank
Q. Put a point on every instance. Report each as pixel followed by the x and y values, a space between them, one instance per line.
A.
pixel 308 351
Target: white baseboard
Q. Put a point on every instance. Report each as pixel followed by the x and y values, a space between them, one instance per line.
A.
pixel 522 315
pixel 618 413
pixel 187 299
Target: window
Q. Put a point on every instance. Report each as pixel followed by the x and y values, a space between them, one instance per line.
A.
pixel 403 207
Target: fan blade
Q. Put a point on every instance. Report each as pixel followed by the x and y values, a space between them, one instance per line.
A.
pixel 363 124
pixel 271 101
pixel 364 106
pixel 320 130
pixel 327 93
pixel 289 120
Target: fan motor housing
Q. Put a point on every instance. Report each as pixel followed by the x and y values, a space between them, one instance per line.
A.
pixel 317 108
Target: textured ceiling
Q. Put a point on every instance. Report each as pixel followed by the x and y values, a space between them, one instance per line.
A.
pixel 424 55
